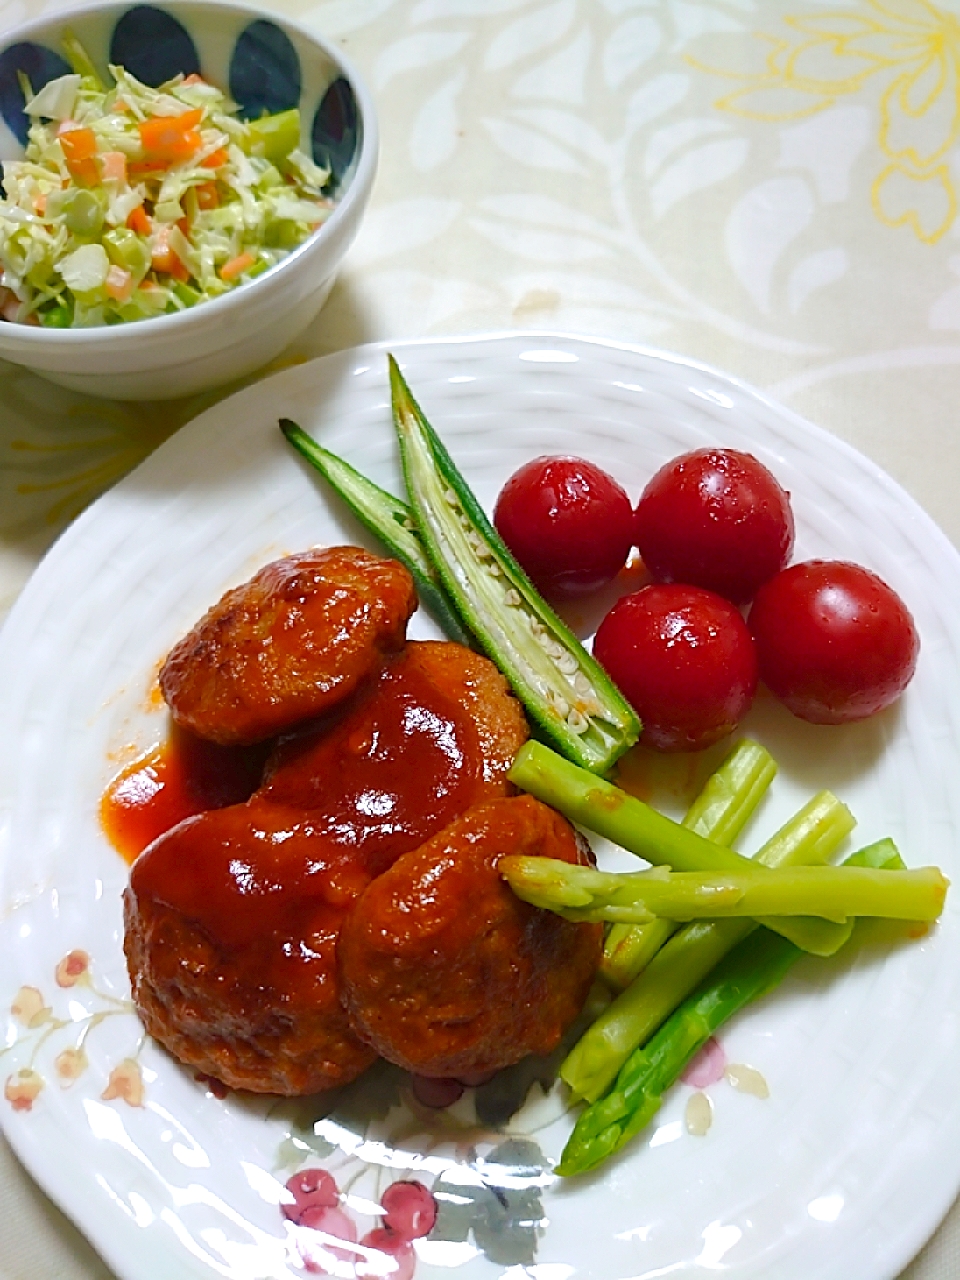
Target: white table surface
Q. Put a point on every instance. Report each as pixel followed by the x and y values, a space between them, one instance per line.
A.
pixel 729 179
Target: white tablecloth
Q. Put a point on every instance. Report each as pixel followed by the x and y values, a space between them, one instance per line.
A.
pixel 770 188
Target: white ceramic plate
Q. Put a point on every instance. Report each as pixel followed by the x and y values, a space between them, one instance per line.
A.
pixel 842 1172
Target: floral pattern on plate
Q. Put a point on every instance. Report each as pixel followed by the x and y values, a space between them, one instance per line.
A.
pixel 37 1024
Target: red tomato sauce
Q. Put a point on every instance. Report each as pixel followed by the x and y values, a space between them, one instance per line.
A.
pixel 400 764
pixel 182 776
pixel 391 768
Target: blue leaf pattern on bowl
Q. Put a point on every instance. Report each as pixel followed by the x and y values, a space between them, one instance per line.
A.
pixel 153 46
pixel 265 77
pixel 39 65
pixel 264 71
pixel 336 132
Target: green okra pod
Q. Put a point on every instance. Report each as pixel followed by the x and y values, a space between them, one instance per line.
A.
pixel 567 694
pixel 388 519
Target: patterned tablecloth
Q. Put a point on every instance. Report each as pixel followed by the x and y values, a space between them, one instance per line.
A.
pixel 770 187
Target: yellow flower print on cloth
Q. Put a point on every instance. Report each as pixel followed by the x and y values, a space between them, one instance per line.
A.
pixel 909 52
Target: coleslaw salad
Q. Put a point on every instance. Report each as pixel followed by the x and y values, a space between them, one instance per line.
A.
pixel 133 202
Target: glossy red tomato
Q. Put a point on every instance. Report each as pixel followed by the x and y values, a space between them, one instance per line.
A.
pixel 716 518
pixel 684 659
pixel 569 524
pixel 834 642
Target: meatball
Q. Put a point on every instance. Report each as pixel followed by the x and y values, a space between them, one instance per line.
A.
pixel 232 916
pixel 231 922
pixel 475 684
pixel 434 735
pixel 444 971
pixel 288 645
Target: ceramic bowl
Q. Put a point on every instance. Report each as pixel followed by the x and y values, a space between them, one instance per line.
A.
pixel 266 65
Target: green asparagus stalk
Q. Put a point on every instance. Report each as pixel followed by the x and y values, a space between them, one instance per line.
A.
pixel 751 970
pixel 811 836
pixel 565 691
pixel 388 519
pixel 731 793
pixel 831 893
pixel 719 813
pixel 601 807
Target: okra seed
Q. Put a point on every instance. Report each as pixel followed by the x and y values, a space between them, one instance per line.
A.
pixel 577 723
pixel 560 705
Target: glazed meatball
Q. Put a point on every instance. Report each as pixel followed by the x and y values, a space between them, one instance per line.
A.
pixel 444 971
pixel 434 735
pixel 231 922
pixel 472 682
pixel 232 917
pixel 288 645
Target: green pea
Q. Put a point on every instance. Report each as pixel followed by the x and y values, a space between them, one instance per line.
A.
pixel 59 316
pixel 82 212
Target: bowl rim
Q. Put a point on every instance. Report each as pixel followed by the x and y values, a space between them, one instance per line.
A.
pixel 32 336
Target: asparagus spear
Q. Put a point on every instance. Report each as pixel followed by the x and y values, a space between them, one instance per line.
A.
pixel 720 812
pixel 832 893
pixel 601 807
pixel 751 970
pixel 811 836
pixel 388 518
pixel 731 793
pixel 566 692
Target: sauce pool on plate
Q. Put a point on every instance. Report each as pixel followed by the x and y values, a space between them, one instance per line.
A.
pixel 180 777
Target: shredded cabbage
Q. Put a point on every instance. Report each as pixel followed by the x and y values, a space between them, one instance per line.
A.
pixel 132 202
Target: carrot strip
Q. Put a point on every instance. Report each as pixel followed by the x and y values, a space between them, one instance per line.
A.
pixel 139 221
pixel 119 283
pixel 171 138
pixel 164 258
pixel 79 150
pixel 113 166
pixel 236 266
pixel 215 159
pixel 207 195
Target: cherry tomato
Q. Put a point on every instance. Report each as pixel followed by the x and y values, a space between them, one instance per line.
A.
pixel 834 642
pixel 569 524
pixel 684 659
pixel 715 518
